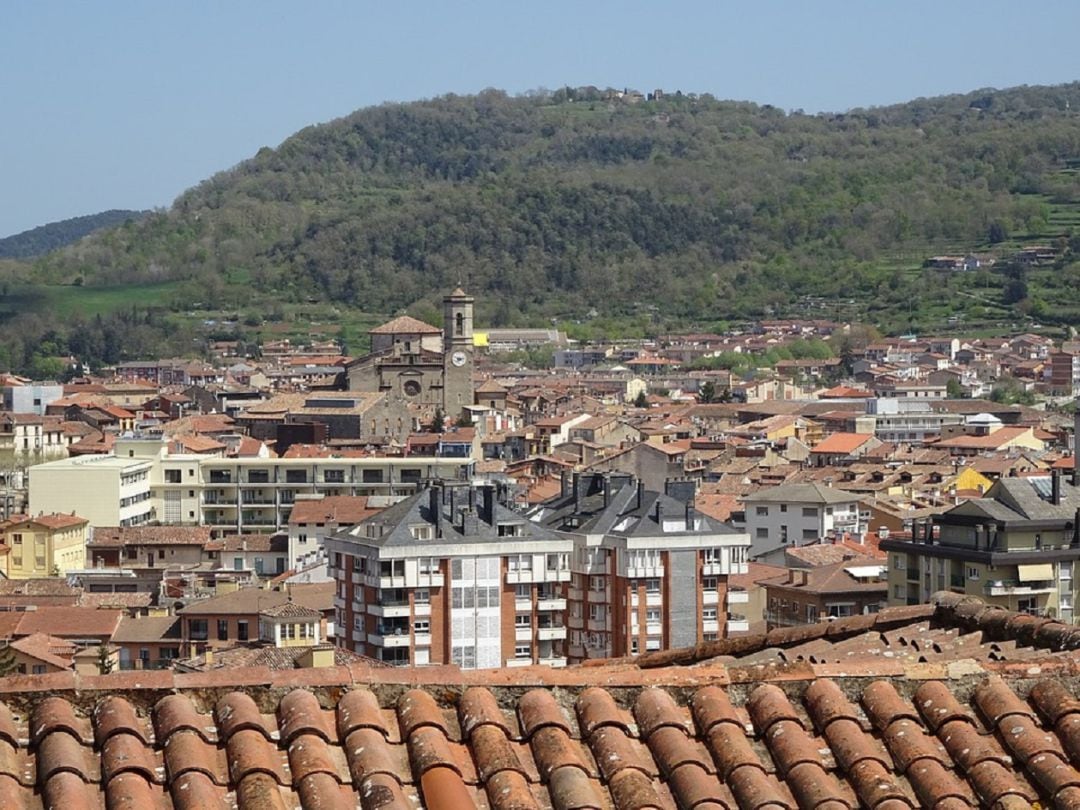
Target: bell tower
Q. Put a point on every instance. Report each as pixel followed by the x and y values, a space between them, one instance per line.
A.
pixel 457 352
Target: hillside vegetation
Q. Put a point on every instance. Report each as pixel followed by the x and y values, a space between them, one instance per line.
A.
pixel 44 238
pixel 606 214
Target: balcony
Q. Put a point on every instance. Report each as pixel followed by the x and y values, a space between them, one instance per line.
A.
pixel 654 599
pixel 737 596
pixel 1009 587
pixel 402 640
pixel 550 633
pixel 710 626
pixel 518 662
pixel 574 594
pixel 598 625
pixel 738 626
pixel 554 603
pixel 522 633
pixel 552 662
pixel 522 604
pixel 422 639
pixel 422 609
pixel 712 597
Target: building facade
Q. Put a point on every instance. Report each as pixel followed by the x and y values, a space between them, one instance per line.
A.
pixel 1018 547
pixel 452 575
pixel 648 571
pixel 106 490
pixel 797 514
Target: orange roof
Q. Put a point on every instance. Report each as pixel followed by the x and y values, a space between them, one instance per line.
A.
pixel 405 325
pixel 991 441
pixel 340 509
pixel 842 443
pixel 53 521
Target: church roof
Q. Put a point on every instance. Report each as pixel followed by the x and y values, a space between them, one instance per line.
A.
pixel 405 325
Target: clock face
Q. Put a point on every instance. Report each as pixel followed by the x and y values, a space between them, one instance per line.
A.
pixel 458 358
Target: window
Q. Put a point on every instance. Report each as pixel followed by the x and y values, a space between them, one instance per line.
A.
pixel 712 555
pixel 898 562
pixel 391 568
pixel 38 669
pixel 522 651
pixel 762 510
pixel 811 613
pixel 173 477
pixel 421 626
pixel 972 572
pixel 223 629
pixel 197 629
pixel 708 614
pixel 423 531
pixel 428 565
pixel 301 538
pixel 708 584
pixel 422 596
pixel 761 533
pixel 783 534
pixel 597 584
pixel 16 539
pixel 523 591
pixel 557 562
pixel 597 613
pixel 809 534
pixel 371 476
pixel 652 585
pixel 242 629
pixel 523 620
pixel 783 507
pixel 296 476
pixel 652 615
pixel 809 512
pixel 334 476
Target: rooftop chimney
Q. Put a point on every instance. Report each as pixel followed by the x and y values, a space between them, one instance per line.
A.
pixel 489 505
pixel 1076 439
pixel 435 507
pixel 1055 487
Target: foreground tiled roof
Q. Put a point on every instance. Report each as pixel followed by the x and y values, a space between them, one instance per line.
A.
pixel 754 739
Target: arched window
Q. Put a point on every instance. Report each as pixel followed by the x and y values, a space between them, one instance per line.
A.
pixel 459 320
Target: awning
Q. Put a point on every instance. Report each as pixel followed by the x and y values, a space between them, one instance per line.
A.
pixel 1035 573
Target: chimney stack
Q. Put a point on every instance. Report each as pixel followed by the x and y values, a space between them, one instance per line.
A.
pixel 435 506
pixel 576 483
pixel 489 505
pixel 1076 439
pixel 640 494
pixel 1055 487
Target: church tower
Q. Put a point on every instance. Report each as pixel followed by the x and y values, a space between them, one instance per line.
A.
pixel 457 352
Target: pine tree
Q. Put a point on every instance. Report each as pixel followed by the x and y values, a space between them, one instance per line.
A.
pixel 7 660
pixel 104 661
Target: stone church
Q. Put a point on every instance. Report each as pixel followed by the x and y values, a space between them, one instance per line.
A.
pixel 420 363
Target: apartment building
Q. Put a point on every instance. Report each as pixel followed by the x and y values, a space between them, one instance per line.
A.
pixel 43 545
pixel 647 570
pixel 106 490
pixel 238 495
pixel 797 514
pixel 1018 547
pixel 452 575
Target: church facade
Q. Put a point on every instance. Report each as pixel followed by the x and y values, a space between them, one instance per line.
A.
pixel 420 363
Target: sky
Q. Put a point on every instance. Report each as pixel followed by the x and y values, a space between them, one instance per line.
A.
pixel 121 104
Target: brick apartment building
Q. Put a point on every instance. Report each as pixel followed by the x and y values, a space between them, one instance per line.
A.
pixel 606 568
pixel 452 575
pixel 648 571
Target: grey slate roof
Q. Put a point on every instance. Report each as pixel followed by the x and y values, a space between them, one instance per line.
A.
pixel 397 521
pixel 801 493
pixel 629 512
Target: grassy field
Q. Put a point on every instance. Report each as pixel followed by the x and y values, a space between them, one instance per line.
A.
pixel 67 301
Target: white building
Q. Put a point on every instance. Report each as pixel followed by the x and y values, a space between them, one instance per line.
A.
pixel 106 490
pixel 799 514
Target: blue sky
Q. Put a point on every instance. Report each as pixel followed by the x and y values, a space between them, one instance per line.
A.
pixel 123 104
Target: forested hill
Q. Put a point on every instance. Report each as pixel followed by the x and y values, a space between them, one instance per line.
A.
pixel 558 204
pixel 44 238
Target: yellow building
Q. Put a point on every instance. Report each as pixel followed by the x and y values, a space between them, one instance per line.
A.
pixel 971 480
pixel 45 545
pixel 290 625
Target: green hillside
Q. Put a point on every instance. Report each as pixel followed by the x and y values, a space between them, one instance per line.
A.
pixel 44 238
pixel 683 210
